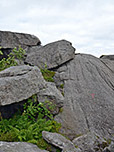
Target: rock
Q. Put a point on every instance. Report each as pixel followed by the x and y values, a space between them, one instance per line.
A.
pixel 108 63
pixel 51 55
pixel 109 57
pixel 52 94
pixel 59 141
pixel 19 147
pixel 89 97
pixel 85 142
pixel 12 40
pixel 90 142
pixel 32 48
pixel 19 83
pixel 110 148
pixel 70 148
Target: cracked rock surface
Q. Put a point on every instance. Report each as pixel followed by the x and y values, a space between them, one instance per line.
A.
pixel 59 141
pixel 89 97
pixel 12 40
pixel 52 94
pixel 109 57
pixel 51 55
pixel 19 83
pixel 19 147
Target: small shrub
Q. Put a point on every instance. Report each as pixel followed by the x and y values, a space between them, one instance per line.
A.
pixel 10 61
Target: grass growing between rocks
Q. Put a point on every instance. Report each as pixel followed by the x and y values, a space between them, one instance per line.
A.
pixel 28 126
pixel 10 60
pixel 47 74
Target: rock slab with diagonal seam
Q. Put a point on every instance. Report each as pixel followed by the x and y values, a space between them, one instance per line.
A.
pixel 89 97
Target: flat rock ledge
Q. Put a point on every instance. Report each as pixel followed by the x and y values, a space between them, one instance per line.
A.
pixel 59 141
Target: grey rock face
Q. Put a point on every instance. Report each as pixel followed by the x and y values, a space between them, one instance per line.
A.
pixel 85 142
pixel 12 40
pixel 52 94
pixel 52 55
pixel 19 147
pixel 19 82
pixel 89 97
pixel 108 63
pixel 109 57
pixel 90 143
pixel 70 148
pixel 32 49
pixel 59 141
pixel 110 148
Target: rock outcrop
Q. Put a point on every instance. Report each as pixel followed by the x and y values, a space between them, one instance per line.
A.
pixel 89 97
pixel 19 147
pixel 19 83
pixel 59 141
pixel 12 40
pixel 92 143
pixel 51 55
pixel 83 85
pixel 109 57
pixel 52 94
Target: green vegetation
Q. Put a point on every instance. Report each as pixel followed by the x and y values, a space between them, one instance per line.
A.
pixel 29 125
pixel 10 61
pixel 47 74
pixel 61 85
pixel 50 106
pixel 61 88
pixel 36 117
pixel 61 110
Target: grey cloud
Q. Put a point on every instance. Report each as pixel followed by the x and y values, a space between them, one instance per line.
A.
pixel 89 24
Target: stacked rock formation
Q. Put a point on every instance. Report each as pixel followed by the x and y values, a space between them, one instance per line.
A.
pixel 87 98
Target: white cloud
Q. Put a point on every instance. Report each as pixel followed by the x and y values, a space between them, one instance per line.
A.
pixel 89 24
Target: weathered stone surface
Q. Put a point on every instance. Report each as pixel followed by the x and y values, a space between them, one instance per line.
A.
pixel 108 63
pixel 109 57
pixel 32 49
pixel 110 148
pixel 52 94
pixel 19 83
pixel 59 141
pixel 19 147
pixel 89 97
pixel 70 148
pixel 91 143
pixel 52 55
pixel 85 142
pixel 12 40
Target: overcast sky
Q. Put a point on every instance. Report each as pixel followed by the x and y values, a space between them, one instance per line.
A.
pixel 88 24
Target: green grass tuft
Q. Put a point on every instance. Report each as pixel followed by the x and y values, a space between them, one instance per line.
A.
pixel 48 75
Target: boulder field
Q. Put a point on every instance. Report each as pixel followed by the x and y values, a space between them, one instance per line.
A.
pixel 83 85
